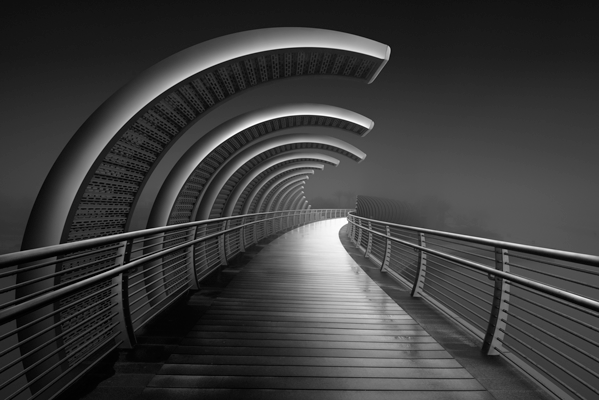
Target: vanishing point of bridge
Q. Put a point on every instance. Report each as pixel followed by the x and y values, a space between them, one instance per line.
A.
pixel 342 304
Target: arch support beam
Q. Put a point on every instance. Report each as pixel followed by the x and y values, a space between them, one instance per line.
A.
pixel 215 185
pixel 276 192
pixel 230 138
pixel 161 103
pixel 246 208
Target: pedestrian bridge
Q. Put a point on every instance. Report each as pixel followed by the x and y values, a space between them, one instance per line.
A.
pixel 342 304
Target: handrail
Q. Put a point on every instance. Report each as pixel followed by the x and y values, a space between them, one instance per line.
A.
pixel 587 259
pixel 574 298
pixel 540 314
pixel 22 308
pixel 95 297
pixel 24 256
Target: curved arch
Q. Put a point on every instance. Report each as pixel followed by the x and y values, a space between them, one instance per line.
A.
pixel 304 205
pixel 208 196
pixel 255 192
pixel 276 177
pixel 187 178
pixel 265 202
pixel 120 143
pixel 255 181
pixel 285 197
pixel 296 203
pixel 276 194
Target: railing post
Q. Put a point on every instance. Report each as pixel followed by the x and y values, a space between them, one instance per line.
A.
pixel 420 277
pixel 222 251
pixel 273 221
pixel 242 236
pixel 350 228
pixel 369 244
pixel 501 297
pixel 359 238
pixel 263 224
pixel 255 231
pixel 120 298
pixel 387 256
pixel 193 278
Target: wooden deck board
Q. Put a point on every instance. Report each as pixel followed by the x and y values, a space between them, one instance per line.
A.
pixel 303 321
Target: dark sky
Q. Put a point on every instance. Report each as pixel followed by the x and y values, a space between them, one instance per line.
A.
pixel 489 112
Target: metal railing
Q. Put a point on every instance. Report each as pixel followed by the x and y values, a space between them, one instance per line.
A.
pixel 535 306
pixel 64 307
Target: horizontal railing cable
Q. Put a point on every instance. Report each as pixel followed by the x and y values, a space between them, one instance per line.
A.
pixel 65 307
pixel 552 292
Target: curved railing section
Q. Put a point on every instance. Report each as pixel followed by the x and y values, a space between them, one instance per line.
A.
pixel 99 310
pixel 536 307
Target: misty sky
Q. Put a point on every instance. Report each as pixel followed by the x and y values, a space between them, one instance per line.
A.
pixel 488 112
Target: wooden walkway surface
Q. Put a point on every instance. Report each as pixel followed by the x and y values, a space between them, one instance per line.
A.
pixel 303 321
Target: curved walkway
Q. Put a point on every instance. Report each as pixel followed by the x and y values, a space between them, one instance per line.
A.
pixel 303 321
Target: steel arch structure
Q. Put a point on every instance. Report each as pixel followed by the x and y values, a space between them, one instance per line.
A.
pixel 296 203
pixel 194 171
pixel 285 195
pixel 253 181
pixel 102 170
pixel 255 192
pixel 212 199
pixel 263 149
pixel 286 189
pixel 274 181
pixel 256 152
pixel 278 192
pixel 265 201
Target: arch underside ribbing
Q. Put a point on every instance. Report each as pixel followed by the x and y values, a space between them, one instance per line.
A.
pixel 191 191
pixel 265 181
pixel 216 210
pixel 274 181
pixel 281 199
pixel 288 178
pixel 107 199
pixel 267 200
pixel 274 195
